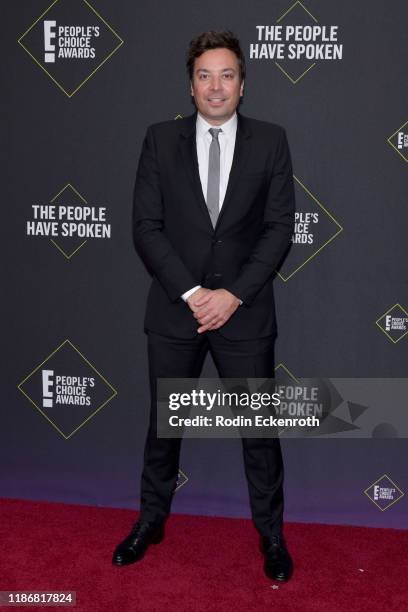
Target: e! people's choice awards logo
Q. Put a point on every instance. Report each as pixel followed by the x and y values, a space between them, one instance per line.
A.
pixel 68 221
pixel 67 389
pixel 384 492
pixel 70 41
pixel 315 228
pixel 394 323
pixel 399 141
pixel 182 479
pixel 296 42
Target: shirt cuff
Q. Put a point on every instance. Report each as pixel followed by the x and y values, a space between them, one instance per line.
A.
pixel 187 294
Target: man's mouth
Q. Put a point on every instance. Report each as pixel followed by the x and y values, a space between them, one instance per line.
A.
pixel 215 100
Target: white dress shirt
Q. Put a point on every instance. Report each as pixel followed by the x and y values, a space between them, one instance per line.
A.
pixel 226 138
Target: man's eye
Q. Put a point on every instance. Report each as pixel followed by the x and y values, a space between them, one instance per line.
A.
pixel 229 75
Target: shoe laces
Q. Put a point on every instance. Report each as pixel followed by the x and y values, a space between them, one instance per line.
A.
pixel 272 543
pixel 138 528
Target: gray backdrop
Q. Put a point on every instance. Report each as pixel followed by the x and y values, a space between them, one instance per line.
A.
pixel 339 116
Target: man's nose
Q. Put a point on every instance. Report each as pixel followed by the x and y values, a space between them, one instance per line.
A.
pixel 216 83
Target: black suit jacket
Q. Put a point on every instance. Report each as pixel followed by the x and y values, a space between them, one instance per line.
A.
pixel 173 233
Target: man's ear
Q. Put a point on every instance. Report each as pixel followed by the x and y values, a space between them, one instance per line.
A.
pixel 241 90
pixel 191 89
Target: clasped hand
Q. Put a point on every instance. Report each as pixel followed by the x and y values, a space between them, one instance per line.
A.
pixel 212 308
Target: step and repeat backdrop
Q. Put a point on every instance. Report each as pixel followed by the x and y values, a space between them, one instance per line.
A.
pixel 81 81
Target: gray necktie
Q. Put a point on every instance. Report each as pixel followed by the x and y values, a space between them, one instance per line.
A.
pixel 213 184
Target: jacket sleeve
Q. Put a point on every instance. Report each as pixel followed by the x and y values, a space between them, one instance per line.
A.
pixel 150 241
pixel 277 230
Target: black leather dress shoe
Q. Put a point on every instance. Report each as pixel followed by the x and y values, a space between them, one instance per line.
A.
pixel 278 563
pixel 133 547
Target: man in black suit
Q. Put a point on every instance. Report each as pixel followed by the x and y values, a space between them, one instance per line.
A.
pixel 213 216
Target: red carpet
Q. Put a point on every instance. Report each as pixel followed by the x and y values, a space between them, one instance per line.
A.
pixel 204 563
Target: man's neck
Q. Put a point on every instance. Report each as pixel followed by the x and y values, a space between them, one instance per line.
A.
pixel 214 122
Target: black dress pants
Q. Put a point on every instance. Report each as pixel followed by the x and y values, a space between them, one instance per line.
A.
pixel 180 358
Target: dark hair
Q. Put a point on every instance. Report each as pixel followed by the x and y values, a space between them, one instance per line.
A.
pixel 212 39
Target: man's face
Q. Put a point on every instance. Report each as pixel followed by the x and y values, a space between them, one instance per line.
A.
pixel 216 85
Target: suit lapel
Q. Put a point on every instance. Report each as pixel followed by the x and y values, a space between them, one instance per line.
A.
pixel 189 154
pixel 241 151
pixel 188 149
